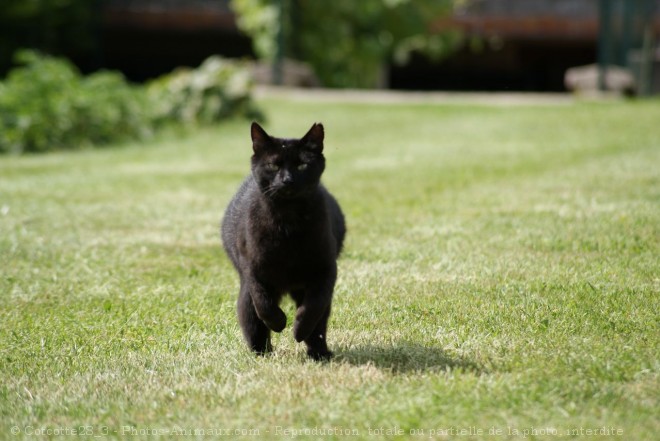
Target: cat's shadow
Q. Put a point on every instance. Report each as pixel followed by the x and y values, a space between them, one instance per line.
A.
pixel 403 357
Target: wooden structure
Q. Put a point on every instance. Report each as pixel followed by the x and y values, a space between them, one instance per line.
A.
pixel 145 38
pixel 521 44
pixel 515 44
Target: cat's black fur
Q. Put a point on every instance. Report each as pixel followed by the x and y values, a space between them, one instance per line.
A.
pixel 283 231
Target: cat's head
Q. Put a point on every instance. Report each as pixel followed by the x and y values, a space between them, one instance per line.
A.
pixel 287 168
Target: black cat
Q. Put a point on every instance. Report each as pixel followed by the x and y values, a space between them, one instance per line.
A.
pixel 283 231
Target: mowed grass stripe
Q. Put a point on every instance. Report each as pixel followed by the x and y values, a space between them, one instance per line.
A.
pixel 500 271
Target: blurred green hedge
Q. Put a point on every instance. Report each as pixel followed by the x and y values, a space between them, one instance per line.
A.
pixel 46 104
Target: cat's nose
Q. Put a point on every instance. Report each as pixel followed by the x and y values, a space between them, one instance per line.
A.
pixel 287 179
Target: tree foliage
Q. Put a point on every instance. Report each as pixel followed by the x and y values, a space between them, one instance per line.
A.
pixel 347 42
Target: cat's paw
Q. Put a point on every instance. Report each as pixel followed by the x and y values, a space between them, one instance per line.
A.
pixel 320 354
pixel 277 322
pixel 261 348
pixel 300 331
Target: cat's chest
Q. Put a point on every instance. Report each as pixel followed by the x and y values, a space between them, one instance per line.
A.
pixel 286 238
pixel 280 234
pixel 285 257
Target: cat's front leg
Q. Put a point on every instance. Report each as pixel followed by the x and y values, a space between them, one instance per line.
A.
pixel 255 331
pixel 265 305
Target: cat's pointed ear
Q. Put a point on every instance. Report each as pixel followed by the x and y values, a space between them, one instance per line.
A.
pixel 313 140
pixel 260 139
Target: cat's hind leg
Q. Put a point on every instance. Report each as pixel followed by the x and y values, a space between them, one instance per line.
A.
pixel 255 332
pixel 317 346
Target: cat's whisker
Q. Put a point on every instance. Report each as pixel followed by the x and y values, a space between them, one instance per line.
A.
pixel 270 190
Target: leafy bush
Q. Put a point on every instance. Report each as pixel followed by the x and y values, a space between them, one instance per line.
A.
pixel 46 104
pixel 215 90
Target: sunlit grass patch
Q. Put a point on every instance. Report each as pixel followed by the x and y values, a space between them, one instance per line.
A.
pixel 500 272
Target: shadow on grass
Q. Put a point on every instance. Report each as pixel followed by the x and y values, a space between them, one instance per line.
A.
pixel 406 357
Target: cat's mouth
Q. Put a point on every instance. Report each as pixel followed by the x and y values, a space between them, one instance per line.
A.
pixel 287 192
pixel 283 192
pixel 294 192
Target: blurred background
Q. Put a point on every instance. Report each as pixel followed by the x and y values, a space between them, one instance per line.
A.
pixel 485 45
pixel 77 73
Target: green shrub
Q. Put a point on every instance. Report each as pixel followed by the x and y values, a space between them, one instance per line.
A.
pixel 46 104
pixel 215 90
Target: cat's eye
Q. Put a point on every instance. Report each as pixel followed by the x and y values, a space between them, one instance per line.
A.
pixel 272 167
pixel 302 167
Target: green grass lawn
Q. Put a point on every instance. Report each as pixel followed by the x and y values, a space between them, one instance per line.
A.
pixel 501 276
